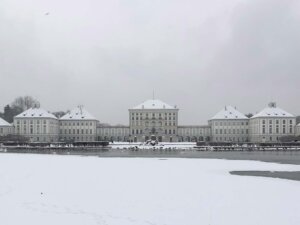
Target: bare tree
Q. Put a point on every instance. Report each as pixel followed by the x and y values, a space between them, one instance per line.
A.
pixel 25 103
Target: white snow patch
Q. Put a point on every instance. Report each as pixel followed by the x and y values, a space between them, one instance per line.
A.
pixel 52 189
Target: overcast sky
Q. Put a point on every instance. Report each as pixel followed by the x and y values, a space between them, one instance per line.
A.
pixel 109 55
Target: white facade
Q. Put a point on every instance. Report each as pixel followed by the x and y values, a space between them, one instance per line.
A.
pixel 270 124
pixel 153 119
pixel 298 130
pixel 5 128
pixel 78 126
pixel 112 133
pixel 229 125
pixel 38 125
pixel 194 133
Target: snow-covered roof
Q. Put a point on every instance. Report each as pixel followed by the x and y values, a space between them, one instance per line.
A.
pixel 272 111
pixel 4 123
pixel 228 112
pixel 79 113
pixel 154 104
pixel 35 113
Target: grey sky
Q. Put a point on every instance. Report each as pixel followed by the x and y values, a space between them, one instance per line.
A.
pixel 110 55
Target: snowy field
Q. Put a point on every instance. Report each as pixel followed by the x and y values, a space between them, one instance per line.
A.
pixel 74 190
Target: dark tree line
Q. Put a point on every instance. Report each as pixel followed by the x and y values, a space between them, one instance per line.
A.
pixel 20 104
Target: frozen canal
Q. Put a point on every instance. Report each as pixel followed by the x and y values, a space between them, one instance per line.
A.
pixel 54 189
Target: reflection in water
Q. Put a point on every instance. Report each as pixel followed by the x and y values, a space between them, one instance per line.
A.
pixel 290 175
pixel 288 157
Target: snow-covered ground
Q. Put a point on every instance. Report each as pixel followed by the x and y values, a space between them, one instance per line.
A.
pixel 60 190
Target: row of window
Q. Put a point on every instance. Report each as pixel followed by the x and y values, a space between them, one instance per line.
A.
pixel 153 123
pixel 230 123
pixel 76 131
pixel 78 138
pixel 76 123
pixel 152 114
pixel 277 130
pixel 231 131
pixel 277 121
pixel 138 131
pixel 238 139
pixel 8 130
pixel 36 122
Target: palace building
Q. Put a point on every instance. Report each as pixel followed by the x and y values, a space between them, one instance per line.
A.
pixel 153 119
pixel 111 133
pixel 270 124
pixel 229 125
pixel 38 125
pixel 5 128
pixel 78 125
